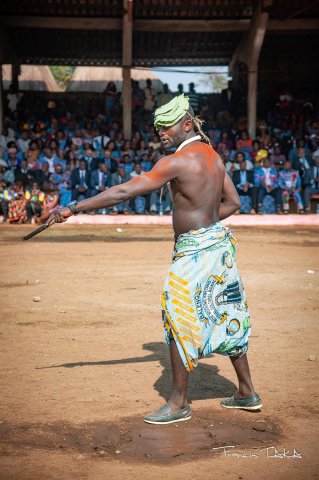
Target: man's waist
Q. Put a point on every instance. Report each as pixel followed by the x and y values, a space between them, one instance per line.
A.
pixel 213 230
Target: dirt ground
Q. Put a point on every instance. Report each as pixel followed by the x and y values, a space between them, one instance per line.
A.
pixel 80 368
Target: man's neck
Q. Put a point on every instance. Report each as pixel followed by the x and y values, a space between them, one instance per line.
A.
pixel 189 138
pixel 190 134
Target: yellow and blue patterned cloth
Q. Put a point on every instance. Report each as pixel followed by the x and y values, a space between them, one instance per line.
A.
pixel 203 302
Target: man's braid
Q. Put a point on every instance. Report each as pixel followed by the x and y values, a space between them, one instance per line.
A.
pixel 198 122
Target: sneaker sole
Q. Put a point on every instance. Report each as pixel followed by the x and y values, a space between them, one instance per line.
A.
pixel 166 423
pixel 253 407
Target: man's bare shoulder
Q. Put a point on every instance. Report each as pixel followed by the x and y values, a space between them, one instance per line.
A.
pixel 200 154
pixel 196 158
pixel 166 168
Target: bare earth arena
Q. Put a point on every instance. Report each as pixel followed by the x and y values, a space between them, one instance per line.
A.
pixel 83 359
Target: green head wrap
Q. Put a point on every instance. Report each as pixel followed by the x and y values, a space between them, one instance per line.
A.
pixel 172 112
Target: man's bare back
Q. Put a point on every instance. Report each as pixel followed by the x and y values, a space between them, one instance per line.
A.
pixel 196 191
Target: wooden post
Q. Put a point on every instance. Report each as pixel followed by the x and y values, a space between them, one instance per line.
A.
pixel 252 102
pixel 248 52
pixel 256 43
pixel 127 102
pixel 256 40
pixel 126 67
pixel 15 69
pixel 1 101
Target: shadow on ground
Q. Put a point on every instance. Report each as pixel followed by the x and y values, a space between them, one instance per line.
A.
pixel 204 383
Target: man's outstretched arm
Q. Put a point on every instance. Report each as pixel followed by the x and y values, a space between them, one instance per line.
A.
pixel 230 199
pixel 165 170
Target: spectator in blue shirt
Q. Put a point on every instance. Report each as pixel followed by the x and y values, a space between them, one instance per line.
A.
pixel 267 183
pixel 128 164
pixel 243 180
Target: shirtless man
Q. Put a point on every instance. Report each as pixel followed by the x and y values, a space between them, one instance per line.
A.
pixel 203 303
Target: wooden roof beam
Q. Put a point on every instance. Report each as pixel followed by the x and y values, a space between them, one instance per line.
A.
pixel 79 23
pixel 64 23
pixel 215 26
pixel 181 25
pixel 127 54
pixel 90 23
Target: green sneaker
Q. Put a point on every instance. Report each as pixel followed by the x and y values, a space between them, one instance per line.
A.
pixel 253 402
pixel 164 415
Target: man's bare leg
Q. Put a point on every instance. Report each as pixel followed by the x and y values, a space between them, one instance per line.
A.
pixel 178 398
pixel 241 367
pixel 176 409
pixel 245 398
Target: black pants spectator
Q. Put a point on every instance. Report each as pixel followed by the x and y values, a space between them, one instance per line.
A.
pixel 4 208
pixel 307 194
pixel 33 209
pixel 252 193
pixel 76 195
pixel 275 193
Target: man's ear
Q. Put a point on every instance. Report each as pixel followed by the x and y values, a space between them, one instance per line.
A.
pixel 188 125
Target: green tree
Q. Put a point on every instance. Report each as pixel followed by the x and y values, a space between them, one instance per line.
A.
pixel 216 81
pixel 62 74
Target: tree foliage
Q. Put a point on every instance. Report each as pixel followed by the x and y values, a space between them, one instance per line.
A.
pixel 216 81
pixel 62 74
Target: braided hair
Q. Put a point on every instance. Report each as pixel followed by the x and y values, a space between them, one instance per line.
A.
pixel 198 122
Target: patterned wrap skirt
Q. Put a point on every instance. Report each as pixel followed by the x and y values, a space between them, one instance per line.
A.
pixel 203 301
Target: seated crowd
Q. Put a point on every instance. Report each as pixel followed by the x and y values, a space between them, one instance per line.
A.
pixel 262 176
pixel 48 159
